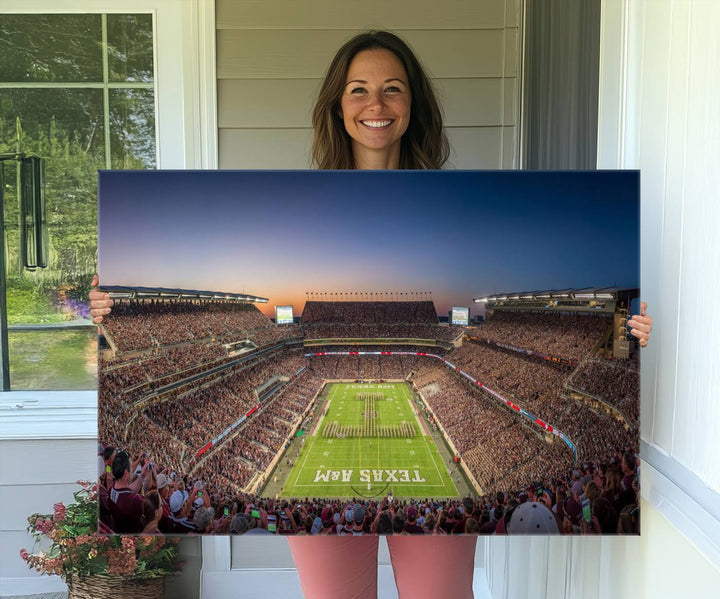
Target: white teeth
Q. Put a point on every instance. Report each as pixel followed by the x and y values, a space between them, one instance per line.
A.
pixel 376 123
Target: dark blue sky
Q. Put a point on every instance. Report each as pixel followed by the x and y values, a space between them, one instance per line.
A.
pixel 458 234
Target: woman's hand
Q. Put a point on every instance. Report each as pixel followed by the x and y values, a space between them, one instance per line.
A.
pixel 99 302
pixel 641 325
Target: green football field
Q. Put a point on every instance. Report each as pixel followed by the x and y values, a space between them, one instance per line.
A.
pixel 369 443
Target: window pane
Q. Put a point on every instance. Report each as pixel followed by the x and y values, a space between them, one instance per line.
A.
pixel 130 47
pixel 65 127
pixel 53 360
pixel 51 118
pixel 132 128
pixel 50 48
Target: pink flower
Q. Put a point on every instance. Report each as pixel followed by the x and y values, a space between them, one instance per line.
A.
pixel 121 562
pixel 44 526
pixel 54 565
pixel 128 543
pixel 59 509
pixel 90 487
pixel 24 555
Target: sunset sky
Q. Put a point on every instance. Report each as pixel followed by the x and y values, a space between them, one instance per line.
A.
pixel 457 234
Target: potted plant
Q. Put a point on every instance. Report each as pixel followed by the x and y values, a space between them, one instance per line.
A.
pixel 95 564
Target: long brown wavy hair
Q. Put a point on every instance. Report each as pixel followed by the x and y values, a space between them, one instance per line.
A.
pixel 424 144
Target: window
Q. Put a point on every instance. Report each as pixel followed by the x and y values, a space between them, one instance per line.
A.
pixel 186 137
pixel 77 90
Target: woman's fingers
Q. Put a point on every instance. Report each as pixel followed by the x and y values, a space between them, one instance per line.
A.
pixel 100 302
pixel 641 325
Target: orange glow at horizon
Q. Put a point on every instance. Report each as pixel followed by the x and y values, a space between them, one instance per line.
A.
pixel 297 301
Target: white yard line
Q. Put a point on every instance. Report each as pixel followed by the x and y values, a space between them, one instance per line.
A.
pixel 322 415
pixel 434 463
pixel 302 468
pixel 428 440
pixel 312 443
pixel 417 415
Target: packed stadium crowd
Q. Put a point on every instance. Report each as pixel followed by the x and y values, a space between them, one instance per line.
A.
pixel 491 440
pixel 363 312
pixel 569 336
pixel 616 382
pixel 137 495
pixel 375 320
pixel 168 402
pixel 382 331
pixel 193 413
pixel 537 386
pixel 364 366
pixel 176 321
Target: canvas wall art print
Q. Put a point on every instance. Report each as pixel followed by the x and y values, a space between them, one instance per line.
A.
pixel 309 352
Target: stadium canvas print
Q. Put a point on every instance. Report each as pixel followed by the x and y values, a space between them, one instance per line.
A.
pixel 316 352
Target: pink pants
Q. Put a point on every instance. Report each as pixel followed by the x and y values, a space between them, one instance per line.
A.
pixel 343 567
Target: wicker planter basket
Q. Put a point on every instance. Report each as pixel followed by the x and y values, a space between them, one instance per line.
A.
pixel 117 587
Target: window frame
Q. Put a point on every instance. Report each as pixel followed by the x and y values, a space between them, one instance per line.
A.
pixel 186 138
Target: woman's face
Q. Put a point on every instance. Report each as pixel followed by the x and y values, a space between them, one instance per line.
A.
pixel 375 103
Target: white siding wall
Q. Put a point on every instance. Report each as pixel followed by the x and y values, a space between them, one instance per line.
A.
pixel 659 85
pixel 675 126
pixel 271 58
pixel 36 474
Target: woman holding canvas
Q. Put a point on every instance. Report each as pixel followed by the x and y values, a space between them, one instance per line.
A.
pixel 376 109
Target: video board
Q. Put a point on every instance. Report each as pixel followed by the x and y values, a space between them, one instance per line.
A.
pixel 460 316
pixel 283 314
